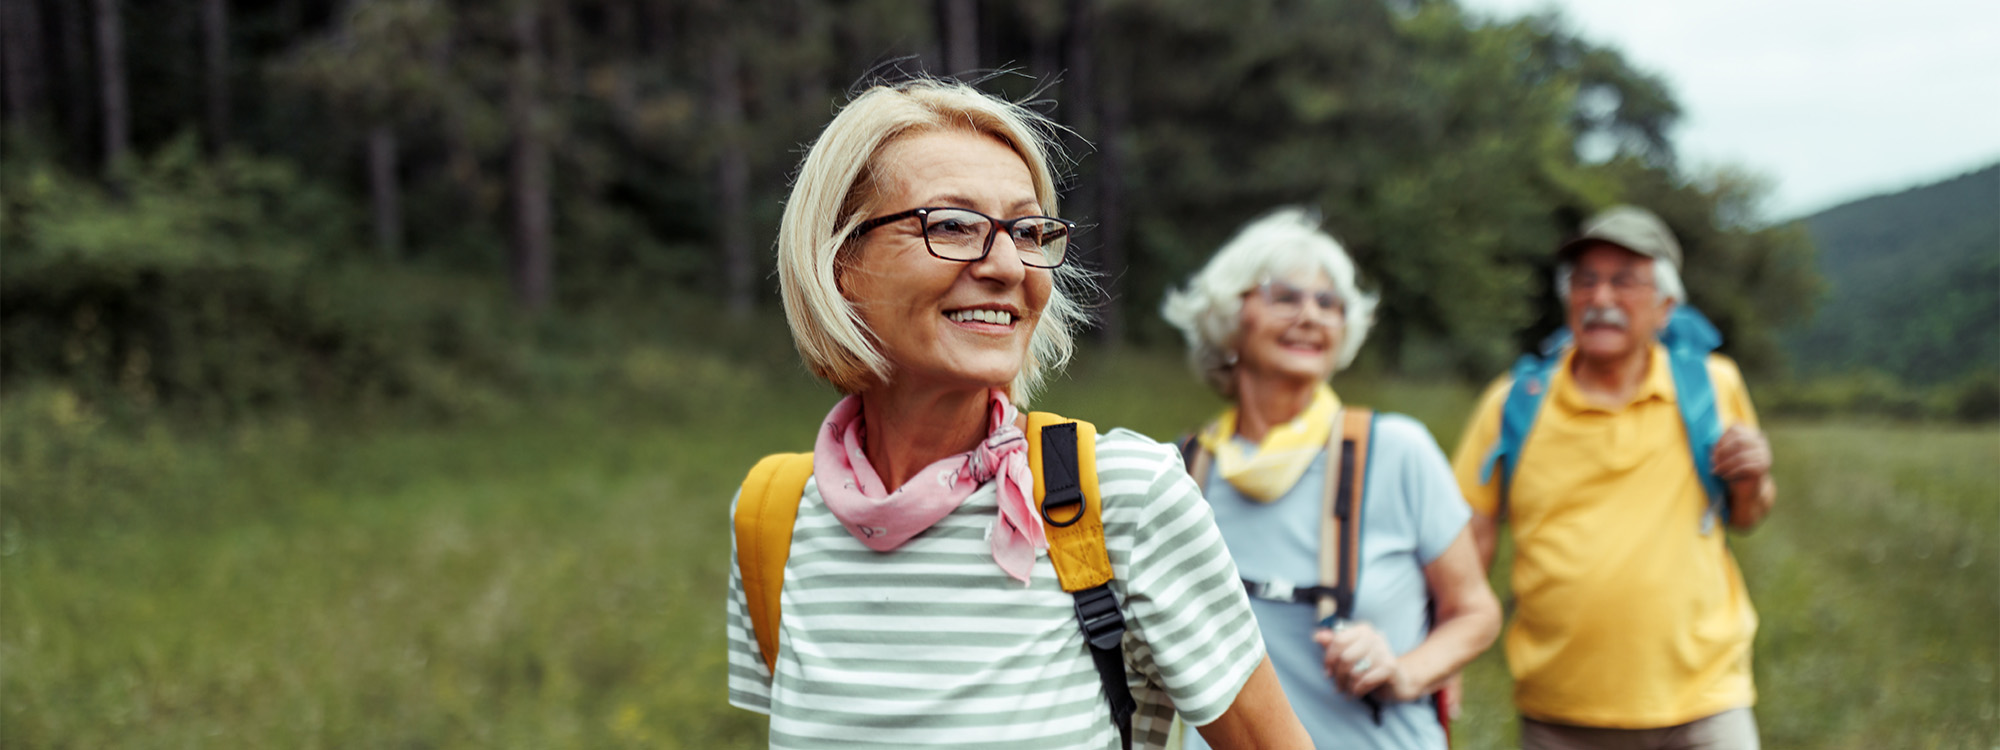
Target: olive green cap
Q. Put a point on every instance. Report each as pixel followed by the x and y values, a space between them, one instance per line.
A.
pixel 1630 227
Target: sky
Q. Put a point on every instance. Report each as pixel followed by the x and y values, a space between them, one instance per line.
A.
pixel 1829 100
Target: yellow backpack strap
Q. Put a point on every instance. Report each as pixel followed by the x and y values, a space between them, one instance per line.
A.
pixel 1063 453
pixel 765 513
pixel 1066 494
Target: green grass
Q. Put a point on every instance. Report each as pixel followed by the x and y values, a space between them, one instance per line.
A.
pixel 551 575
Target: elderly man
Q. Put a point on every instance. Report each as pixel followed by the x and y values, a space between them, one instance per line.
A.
pixel 1632 627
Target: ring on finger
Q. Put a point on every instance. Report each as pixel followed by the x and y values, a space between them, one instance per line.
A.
pixel 1362 666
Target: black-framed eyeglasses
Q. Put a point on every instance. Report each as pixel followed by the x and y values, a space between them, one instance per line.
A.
pixel 965 235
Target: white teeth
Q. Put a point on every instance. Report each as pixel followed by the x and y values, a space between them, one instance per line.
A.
pixel 996 317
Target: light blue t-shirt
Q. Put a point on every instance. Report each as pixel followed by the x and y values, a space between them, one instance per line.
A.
pixel 1411 512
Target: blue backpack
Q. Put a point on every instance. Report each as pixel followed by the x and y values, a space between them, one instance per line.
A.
pixel 1688 338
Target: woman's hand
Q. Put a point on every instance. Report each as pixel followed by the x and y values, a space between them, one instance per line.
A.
pixel 1453 695
pixel 1360 662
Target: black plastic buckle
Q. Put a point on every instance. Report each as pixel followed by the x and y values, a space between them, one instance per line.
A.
pixel 1097 611
pixel 1062 497
pixel 1286 591
pixel 1062 487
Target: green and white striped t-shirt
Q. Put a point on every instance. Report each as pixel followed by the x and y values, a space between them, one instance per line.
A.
pixel 933 645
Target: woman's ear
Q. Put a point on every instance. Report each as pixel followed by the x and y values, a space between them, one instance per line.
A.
pixel 841 260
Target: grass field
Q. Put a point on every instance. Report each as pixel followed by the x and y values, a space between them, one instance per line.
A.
pixel 552 575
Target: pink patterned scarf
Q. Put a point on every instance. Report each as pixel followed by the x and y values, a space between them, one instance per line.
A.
pixel 883 520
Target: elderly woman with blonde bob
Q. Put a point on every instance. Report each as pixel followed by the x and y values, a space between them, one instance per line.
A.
pixel 925 276
pixel 1268 322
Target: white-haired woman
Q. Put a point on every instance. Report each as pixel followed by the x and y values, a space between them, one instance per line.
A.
pixel 1268 321
pixel 924 277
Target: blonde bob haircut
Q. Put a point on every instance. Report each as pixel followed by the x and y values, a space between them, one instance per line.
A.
pixel 839 185
pixel 1286 244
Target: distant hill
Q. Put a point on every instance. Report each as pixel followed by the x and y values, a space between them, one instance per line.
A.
pixel 1913 283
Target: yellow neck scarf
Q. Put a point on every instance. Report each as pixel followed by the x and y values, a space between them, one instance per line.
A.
pixel 1283 455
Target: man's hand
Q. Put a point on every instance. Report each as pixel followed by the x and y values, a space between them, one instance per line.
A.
pixel 1742 458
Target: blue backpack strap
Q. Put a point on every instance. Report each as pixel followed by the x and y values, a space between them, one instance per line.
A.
pixel 1517 415
pixel 1689 338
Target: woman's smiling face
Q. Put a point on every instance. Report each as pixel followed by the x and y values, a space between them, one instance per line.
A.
pixel 1287 332
pixel 942 323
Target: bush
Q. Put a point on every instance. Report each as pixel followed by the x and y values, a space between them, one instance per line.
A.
pixel 1976 398
pixel 226 286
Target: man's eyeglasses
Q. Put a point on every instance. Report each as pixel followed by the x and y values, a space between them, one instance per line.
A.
pixel 1622 284
pixel 1287 301
pixel 965 235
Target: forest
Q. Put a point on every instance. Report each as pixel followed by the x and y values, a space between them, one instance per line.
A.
pixel 1913 283
pixel 225 207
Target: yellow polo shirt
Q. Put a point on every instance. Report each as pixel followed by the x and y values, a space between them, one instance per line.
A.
pixel 1626 615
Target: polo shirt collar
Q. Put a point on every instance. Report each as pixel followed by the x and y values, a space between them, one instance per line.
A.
pixel 1659 382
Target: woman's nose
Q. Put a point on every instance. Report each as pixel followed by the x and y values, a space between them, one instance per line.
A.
pixel 1002 262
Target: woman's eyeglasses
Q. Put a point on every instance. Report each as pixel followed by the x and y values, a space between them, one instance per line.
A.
pixel 1287 301
pixel 965 235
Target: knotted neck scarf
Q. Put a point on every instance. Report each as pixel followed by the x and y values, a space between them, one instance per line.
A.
pixel 1284 454
pixel 883 519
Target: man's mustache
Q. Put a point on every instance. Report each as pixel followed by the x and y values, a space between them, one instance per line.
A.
pixel 1610 316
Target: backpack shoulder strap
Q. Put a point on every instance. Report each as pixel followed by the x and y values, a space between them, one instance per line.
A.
pixel 1517 417
pixel 1694 393
pixel 1340 524
pixel 765 513
pixel 1064 456
pixel 1195 458
pixel 1689 339
pixel 1063 453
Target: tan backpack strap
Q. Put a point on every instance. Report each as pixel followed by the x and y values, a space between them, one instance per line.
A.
pixel 1340 522
pixel 765 513
pixel 1197 458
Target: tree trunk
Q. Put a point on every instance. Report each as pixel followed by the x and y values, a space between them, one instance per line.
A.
pixel 807 22
pixel 385 191
pixel 959 35
pixel 1044 55
pixel 215 68
pixel 77 86
pixel 1114 113
pixel 732 176
pixel 111 82
pixel 21 55
pixel 528 173
pixel 1073 98
pixel 1080 113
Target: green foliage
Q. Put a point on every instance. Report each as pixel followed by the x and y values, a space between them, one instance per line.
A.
pixel 224 287
pixel 1448 153
pixel 1914 283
